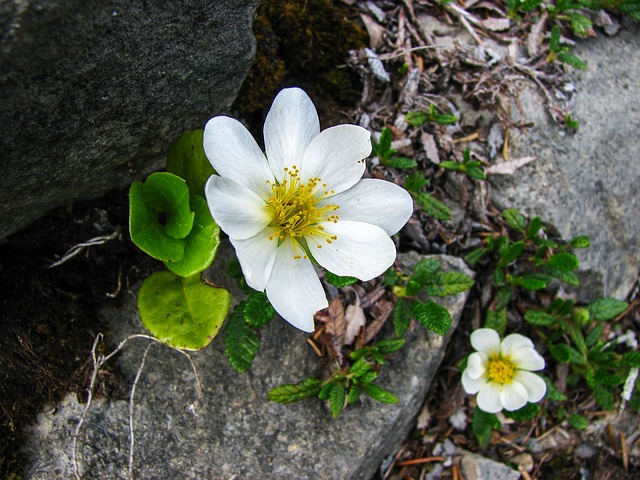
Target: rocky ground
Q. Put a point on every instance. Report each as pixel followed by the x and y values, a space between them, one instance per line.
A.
pixel 471 62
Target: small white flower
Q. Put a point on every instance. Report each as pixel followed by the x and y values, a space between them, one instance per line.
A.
pixel 500 372
pixel 306 200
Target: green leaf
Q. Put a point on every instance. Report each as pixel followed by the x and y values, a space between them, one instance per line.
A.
pixel 337 397
pixel 563 262
pixel 566 354
pixel 581 241
pixel 399 162
pixel 368 377
pixel 293 393
pixel 475 255
pixel 187 160
pixel 606 308
pixel 511 253
pixel 514 219
pixel 380 394
pixel 603 397
pixel 580 24
pixel 432 207
pixel 554 39
pixel 532 281
pixel 241 340
pixel 201 244
pixel 391 345
pixel 359 368
pixel 416 119
pixel 338 281
pixel 529 411
pixel 631 359
pixel 476 172
pixel 534 227
pixel 402 314
pixel 577 338
pixel 168 195
pixel 572 60
pixel 325 391
pixel 570 278
pixel 450 165
pixel 444 119
pixel 448 283
pixel 257 309
pixel 503 297
pixel 577 421
pixel 539 318
pixel 594 335
pixel 553 393
pixel 182 312
pixel 432 316
pixel 496 319
pixel 483 424
pixel 354 394
pixel 383 147
pixel 415 182
pixel 391 277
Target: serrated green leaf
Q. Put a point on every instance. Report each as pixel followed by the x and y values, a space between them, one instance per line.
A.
pixel 241 341
pixel 566 354
pixel 572 60
pixel 594 335
pixel 563 262
pixel 432 207
pixel 399 162
pixel 368 377
pixel 324 392
pixel 475 255
pixel 580 24
pixel 577 421
pixel 483 424
pixel 539 318
pixel 450 165
pixel 380 394
pixel 293 393
pixel 337 398
pixel 529 411
pixel 514 219
pixel 496 319
pixel 631 359
pixel 415 181
pixel 606 308
pixel 578 339
pixel 532 281
pixel 533 228
pixel 413 287
pixel 383 147
pixel 511 253
pixel 570 278
pixel 390 345
pixel 603 397
pixel 338 281
pixel 359 368
pixel 476 172
pixel 503 297
pixel 416 119
pixel 186 159
pixel 257 309
pixel 354 394
pixel 554 39
pixel 448 283
pixel 182 312
pixel 581 241
pixel 391 277
pixel 432 316
pixel 201 245
pixel 402 314
pixel 444 119
pixel 553 393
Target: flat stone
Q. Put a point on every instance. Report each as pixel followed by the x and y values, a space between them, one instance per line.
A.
pixel 477 467
pixel 588 183
pixel 237 432
pixel 94 93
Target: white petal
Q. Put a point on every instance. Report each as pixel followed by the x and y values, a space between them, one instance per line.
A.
pixel 513 396
pixel 336 156
pixel 485 340
pixel 294 289
pixel 291 124
pixel 527 358
pixel 476 365
pixel 361 250
pixel 256 256
pixel 535 386
pixel 238 210
pixel 514 342
pixel 378 202
pixel 234 154
pixel 472 385
pixel 489 398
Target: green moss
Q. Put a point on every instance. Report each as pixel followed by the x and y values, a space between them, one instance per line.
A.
pixel 302 43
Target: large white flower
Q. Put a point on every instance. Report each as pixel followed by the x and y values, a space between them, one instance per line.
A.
pixel 500 372
pixel 305 201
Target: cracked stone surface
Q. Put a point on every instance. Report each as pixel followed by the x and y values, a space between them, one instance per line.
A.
pixel 237 431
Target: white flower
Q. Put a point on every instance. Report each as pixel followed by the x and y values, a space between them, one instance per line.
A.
pixel 500 372
pixel 306 200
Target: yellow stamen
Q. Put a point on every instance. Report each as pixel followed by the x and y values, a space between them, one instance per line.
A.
pixel 500 370
pixel 296 213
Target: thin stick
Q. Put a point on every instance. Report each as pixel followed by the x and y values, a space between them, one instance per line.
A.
pixel 133 392
pixel 419 461
pixel 76 249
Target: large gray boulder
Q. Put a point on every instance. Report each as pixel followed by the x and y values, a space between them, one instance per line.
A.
pixel 588 183
pixel 238 432
pixel 93 93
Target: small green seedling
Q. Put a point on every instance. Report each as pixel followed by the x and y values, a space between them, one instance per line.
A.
pixel 418 119
pixel 387 155
pixel 473 169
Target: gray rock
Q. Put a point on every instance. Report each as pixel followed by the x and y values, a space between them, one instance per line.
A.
pixel 238 432
pixel 94 93
pixel 588 183
pixel 477 467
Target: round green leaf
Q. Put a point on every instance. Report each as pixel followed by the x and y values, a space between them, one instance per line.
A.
pixel 186 159
pixel 167 198
pixel 182 312
pixel 147 232
pixel 201 244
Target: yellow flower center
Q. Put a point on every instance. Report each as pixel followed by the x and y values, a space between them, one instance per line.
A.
pixel 500 370
pixel 296 213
